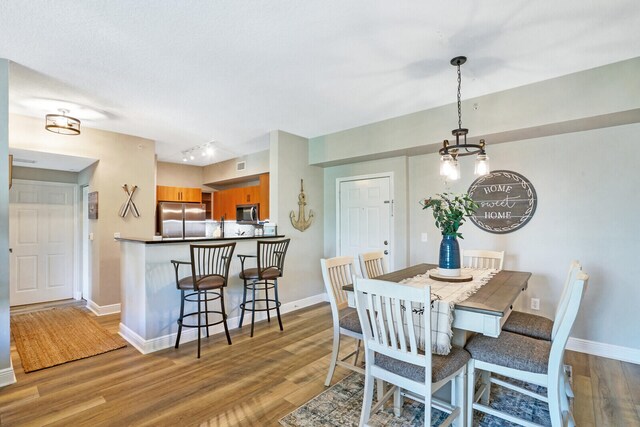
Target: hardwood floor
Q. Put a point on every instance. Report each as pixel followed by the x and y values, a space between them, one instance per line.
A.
pixel 255 381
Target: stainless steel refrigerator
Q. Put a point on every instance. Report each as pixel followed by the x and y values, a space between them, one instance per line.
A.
pixel 181 220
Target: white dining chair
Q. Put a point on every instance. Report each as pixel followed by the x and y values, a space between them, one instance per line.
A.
pixel 473 258
pixel 391 337
pixel 373 264
pixel 540 327
pixel 338 272
pixel 525 359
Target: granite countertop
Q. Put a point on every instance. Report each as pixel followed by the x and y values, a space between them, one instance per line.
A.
pixel 194 239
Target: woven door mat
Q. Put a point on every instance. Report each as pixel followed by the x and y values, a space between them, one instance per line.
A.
pixel 59 335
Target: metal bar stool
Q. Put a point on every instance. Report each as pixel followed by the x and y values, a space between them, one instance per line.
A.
pixel 270 265
pixel 209 275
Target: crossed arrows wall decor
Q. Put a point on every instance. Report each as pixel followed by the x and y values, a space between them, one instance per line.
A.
pixel 129 204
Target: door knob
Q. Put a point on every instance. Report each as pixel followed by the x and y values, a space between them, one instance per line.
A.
pixel 10 250
pixel 386 243
pixel 386 252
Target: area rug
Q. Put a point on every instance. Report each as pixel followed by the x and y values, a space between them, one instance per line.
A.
pixel 341 404
pixel 59 335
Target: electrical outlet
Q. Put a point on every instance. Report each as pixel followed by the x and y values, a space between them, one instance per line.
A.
pixel 116 235
pixel 423 237
pixel 535 303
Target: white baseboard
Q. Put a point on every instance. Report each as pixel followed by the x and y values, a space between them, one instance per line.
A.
pixel 189 334
pixel 102 310
pixel 7 376
pixel 611 351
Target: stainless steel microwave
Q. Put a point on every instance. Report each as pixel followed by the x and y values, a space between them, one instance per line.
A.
pixel 248 214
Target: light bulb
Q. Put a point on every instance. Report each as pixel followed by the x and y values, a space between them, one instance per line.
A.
pixel 184 158
pixel 191 156
pixel 209 150
pixel 446 164
pixel 454 173
pixel 482 165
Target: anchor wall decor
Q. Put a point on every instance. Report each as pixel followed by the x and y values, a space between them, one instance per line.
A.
pixel 129 205
pixel 301 223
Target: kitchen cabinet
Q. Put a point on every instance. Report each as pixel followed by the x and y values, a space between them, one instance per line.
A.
pixel 178 194
pixel 225 201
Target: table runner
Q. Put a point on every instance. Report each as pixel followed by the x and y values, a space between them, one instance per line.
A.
pixel 444 296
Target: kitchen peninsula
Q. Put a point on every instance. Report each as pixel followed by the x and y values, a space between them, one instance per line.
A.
pixel 149 297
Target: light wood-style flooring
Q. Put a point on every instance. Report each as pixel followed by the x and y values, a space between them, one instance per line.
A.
pixel 253 382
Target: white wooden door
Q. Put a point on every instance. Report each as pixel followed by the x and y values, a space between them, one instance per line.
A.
pixel 41 238
pixel 365 210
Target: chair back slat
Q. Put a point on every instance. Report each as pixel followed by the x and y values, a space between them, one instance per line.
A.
pixel 271 254
pixel 211 260
pixel 482 259
pixel 373 264
pixel 336 273
pixel 392 329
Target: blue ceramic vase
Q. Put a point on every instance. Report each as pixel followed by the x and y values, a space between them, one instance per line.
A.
pixel 449 263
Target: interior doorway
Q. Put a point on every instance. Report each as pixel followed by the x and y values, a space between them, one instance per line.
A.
pixel 41 236
pixel 365 215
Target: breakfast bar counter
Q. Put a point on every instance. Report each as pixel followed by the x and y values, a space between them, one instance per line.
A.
pixel 150 300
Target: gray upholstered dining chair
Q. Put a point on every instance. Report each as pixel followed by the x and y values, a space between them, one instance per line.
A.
pixel 391 338
pixel 373 264
pixel 541 327
pixel 473 258
pixel 525 359
pixel 336 273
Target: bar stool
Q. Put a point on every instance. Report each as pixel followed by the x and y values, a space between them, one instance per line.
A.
pixel 270 265
pixel 209 274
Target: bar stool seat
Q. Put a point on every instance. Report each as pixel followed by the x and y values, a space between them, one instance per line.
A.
pixel 206 283
pixel 253 273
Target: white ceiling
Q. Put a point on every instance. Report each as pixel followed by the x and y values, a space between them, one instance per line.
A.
pixel 186 72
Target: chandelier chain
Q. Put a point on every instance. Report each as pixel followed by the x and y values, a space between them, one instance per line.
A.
pixel 459 104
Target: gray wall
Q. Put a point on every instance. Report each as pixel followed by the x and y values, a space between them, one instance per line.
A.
pixel 586 211
pixel 256 163
pixel 5 350
pixel 288 164
pixel 178 175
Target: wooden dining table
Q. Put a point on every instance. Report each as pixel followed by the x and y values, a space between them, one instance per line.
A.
pixel 483 312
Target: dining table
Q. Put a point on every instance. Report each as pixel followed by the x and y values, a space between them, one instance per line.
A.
pixel 484 312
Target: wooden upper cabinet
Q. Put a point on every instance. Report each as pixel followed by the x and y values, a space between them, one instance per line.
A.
pixel 178 194
pixel 225 201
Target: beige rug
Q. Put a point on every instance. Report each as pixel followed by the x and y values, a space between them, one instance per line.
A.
pixel 59 335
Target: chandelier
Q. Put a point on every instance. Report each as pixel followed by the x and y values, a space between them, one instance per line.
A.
pixel 62 124
pixel 449 153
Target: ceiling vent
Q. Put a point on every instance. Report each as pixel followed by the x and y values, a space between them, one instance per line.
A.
pixel 240 166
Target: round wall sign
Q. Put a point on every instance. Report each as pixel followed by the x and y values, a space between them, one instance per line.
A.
pixel 506 201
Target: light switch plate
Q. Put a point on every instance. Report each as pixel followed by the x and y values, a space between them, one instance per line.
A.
pixel 116 235
pixel 423 237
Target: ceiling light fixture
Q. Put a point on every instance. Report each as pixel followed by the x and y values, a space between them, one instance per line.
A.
pixel 205 150
pixel 449 166
pixel 62 124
